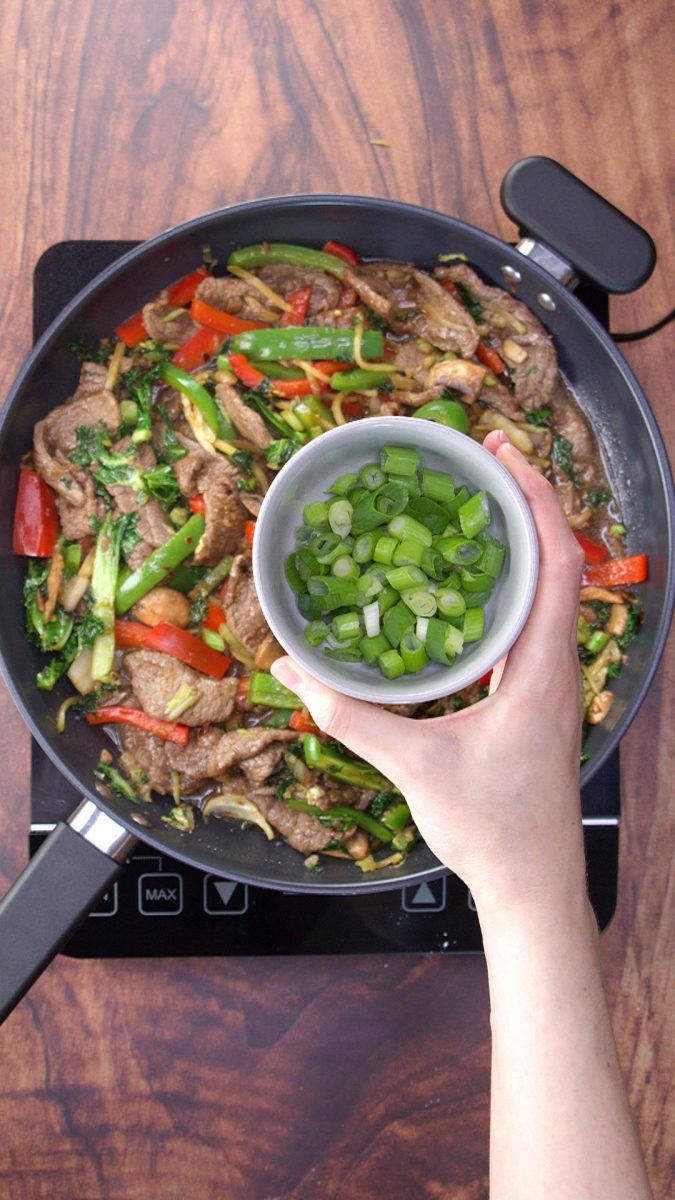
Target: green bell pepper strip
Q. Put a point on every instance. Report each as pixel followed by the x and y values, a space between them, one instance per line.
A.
pixel 158 565
pixel 358 380
pixel 308 342
pixel 283 252
pixel 263 688
pixel 343 812
pixel 350 770
pixel 445 412
pixel 198 395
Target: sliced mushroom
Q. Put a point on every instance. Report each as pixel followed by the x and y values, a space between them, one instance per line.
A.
pixel 239 808
pixel 598 593
pixel 513 352
pixel 458 373
pixel 598 708
pixel 618 620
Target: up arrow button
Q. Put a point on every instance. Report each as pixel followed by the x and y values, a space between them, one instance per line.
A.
pixel 425 897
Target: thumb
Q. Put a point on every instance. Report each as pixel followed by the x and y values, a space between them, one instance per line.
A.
pixel 365 729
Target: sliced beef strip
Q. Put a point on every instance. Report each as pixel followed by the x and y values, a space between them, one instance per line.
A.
pixel 156 678
pixel 54 440
pixel 175 332
pixel 409 359
pixel 412 302
pixel 249 423
pixel 150 753
pixel 192 761
pixel 234 296
pixel 244 614
pixel 569 423
pixel 92 380
pixel 224 513
pixel 285 280
pixel 239 745
pixel 154 530
pixel 260 766
pixel 535 379
pixel 303 831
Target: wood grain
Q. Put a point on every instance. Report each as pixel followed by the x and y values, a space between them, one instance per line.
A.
pixel 298 1079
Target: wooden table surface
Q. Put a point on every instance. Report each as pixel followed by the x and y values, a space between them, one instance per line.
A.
pixel 350 1078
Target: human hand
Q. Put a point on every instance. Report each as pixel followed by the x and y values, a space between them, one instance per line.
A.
pixel 494 788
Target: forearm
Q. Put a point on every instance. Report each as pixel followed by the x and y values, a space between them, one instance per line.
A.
pixel 560 1121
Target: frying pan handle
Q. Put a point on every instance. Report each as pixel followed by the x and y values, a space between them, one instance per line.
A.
pixel 569 229
pixel 76 864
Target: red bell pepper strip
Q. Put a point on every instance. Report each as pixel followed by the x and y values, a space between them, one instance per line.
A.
pixel 485 679
pixel 301 721
pixel 200 348
pixel 352 408
pixel 344 252
pixel 118 714
pixel 169 639
pixel 215 617
pixel 489 358
pixel 133 331
pixel 182 291
pixel 36 525
pixel 618 572
pixel 452 289
pixel 197 503
pixel 299 302
pixel 251 377
pixel 249 530
pixel 329 366
pixel 242 690
pixel 594 552
pixel 222 322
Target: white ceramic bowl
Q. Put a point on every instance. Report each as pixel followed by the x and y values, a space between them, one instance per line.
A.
pixel 347 448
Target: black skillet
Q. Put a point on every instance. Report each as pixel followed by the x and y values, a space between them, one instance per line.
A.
pixel 568 231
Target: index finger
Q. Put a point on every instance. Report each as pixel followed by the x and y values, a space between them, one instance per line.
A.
pixel 553 618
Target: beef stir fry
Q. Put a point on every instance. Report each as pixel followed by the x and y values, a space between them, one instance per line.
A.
pixel 137 510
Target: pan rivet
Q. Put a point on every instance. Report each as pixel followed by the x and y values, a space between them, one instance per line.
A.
pixel 547 301
pixel 512 275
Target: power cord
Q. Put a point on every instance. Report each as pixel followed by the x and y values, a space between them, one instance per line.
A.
pixel 638 334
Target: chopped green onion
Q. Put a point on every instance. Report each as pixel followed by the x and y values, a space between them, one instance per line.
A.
pixel 316 632
pixel 372 647
pixel 340 517
pixel 436 485
pixel 364 547
pixel 346 626
pixel 391 664
pixel 397 460
pixel 213 640
pixel 474 515
pixel 413 653
pixel 384 550
pixel 398 621
pixel 450 603
pixel 460 551
pixel 406 577
pixel 474 622
pixel 404 527
pixel 371 476
pixel 408 553
pixel 345 567
pixel 422 603
pixel 344 483
pixel 371 619
pixel 314 514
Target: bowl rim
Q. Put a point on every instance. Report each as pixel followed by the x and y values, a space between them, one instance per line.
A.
pixel 448 680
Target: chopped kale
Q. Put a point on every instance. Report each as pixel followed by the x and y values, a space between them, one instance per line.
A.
pixel 130 536
pixel 595 499
pixel 613 670
pixel 632 626
pixel 106 773
pixel 562 453
pixel 539 416
pixel 602 611
pixel 248 485
pixel 95 699
pixel 584 757
pixel 86 353
pixel 381 802
pixel 91 442
pixel 84 630
pixel 161 483
pixel 171 450
pixel 244 460
pixel 279 452
pixel 255 401
pixel 374 320
pixel 472 306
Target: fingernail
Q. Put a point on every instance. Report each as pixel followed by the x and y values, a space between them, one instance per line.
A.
pixel 515 452
pixel 284 672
